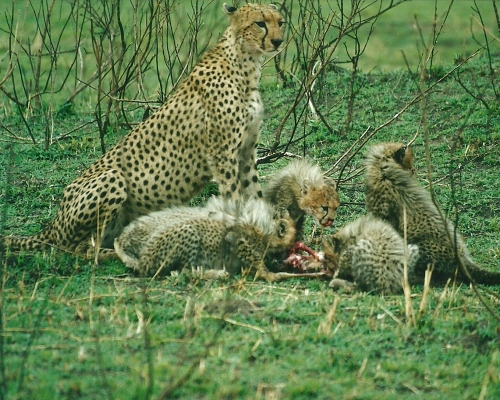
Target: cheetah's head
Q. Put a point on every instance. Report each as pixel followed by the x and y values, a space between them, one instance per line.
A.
pixel 284 234
pixel 388 155
pixel 259 28
pixel 336 249
pixel 320 202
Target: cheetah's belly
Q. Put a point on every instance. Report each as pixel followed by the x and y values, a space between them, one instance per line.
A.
pixel 164 181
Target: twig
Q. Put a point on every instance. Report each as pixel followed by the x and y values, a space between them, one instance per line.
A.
pixel 236 323
pixel 415 99
pixel 390 314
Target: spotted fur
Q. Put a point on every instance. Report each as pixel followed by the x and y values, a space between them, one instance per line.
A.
pixel 390 189
pixel 369 253
pixel 226 234
pixel 207 129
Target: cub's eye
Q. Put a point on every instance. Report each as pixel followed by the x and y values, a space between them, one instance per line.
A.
pixel 281 23
pixel 325 209
pixel 260 24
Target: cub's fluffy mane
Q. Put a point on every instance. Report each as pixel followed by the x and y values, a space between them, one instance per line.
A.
pixel 301 171
pixel 177 213
pixel 255 212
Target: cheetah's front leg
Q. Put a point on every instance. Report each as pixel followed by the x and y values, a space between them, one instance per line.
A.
pixel 247 168
pixel 247 173
pixel 225 174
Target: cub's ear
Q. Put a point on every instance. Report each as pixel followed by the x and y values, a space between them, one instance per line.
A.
pixel 337 243
pixel 229 10
pixel 333 243
pixel 282 227
pixel 399 155
pixel 408 160
pixel 274 6
pixel 306 184
pixel 404 157
pixel 330 182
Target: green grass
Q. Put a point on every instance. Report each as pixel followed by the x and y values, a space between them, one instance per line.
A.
pixel 400 30
pixel 74 330
pixel 273 339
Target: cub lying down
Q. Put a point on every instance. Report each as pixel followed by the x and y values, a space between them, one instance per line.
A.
pixel 225 234
pixel 368 254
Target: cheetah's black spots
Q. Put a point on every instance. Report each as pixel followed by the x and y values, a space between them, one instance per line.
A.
pixel 211 123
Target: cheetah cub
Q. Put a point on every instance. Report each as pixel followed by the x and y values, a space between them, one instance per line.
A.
pixel 368 254
pixel 207 129
pixel 303 190
pixel 224 234
pixel 390 189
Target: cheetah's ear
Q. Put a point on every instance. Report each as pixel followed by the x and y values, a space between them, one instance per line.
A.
pixel 333 242
pixel 229 10
pixel 399 155
pixel 306 184
pixel 282 226
pixel 404 157
pixel 408 160
pixel 331 182
pixel 274 6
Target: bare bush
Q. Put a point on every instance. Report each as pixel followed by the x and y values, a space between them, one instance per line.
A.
pixel 117 56
pixel 488 96
pixel 319 35
pixel 123 58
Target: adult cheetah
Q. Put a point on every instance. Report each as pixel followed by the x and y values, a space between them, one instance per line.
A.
pixel 207 129
pixel 391 188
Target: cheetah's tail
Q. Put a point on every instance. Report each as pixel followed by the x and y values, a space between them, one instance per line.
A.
pixel 16 244
pixel 481 275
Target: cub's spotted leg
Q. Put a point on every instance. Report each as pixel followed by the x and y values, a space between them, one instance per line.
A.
pixel 89 215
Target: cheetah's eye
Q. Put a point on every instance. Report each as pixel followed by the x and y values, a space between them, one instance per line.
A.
pixel 260 24
pixel 281 23
pixel 325 209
